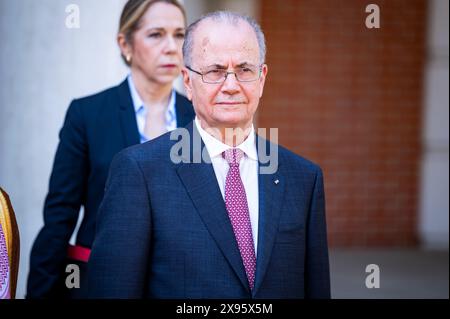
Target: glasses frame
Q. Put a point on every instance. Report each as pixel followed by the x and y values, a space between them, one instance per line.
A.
pixel 226 76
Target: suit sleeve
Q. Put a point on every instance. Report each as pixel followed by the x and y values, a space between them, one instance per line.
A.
pixel 317 274
pixel 61 208
pixel 118 264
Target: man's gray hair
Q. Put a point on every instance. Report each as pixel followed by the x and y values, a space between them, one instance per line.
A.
pixel 228 17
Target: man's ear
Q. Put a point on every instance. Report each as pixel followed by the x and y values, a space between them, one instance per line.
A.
pixel 187 83
pixel 262 79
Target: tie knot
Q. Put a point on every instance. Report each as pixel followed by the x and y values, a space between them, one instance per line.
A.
pixel 233 156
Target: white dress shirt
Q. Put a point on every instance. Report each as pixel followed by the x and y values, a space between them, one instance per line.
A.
pixel 248 168
pixel 141 111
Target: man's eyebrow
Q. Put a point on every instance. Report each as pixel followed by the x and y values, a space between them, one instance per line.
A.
pixel 244 64
pixel 224 67
pixel 217 66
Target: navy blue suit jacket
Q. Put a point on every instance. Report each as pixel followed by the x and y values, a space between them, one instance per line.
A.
pixel 95 129
pixel 163 231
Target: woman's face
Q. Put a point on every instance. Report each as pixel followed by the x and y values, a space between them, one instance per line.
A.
pixel 156 48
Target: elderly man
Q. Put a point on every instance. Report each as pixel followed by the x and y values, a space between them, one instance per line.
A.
pixel 176 227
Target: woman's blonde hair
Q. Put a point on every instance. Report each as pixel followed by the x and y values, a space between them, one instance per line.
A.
pixel 132 13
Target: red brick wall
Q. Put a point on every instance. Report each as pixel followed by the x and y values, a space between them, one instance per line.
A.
pixel 350 99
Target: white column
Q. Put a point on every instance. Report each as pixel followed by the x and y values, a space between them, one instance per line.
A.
pixel 434 204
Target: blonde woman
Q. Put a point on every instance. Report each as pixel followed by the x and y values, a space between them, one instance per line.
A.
pixel 143 107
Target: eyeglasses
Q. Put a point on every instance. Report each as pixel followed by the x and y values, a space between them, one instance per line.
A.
pixel 248 73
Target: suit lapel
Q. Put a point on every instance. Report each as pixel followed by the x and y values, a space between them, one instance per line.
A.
pixel 200 182
pixel 127 115
pixel 271 190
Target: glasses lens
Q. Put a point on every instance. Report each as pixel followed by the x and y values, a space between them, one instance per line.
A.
pixel 214 76
pixel 246 74
pixel 243 74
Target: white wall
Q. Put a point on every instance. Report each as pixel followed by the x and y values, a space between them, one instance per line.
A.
pixel 43 65
pixel 434 208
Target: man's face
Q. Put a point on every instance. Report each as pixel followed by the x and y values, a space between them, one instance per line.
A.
pixel 231 104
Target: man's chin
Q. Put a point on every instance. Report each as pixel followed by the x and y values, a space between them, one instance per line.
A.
pixel 230 107
pixel 231 121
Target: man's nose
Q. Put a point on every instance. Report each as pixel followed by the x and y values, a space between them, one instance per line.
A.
pixel 231 84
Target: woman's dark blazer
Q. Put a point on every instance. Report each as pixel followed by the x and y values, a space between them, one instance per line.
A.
pixel 95 129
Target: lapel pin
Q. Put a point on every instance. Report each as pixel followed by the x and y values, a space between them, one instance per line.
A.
pixel 276 181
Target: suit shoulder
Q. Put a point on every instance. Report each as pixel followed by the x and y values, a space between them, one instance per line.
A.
pixel 96 100
pixel 155 150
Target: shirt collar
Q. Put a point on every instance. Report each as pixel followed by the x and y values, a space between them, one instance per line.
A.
pixel 216 148
pixel 138 105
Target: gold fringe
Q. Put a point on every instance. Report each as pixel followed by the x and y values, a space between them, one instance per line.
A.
pixel 12 238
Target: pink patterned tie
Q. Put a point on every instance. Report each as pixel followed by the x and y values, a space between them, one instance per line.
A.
pixel 237 207
pixel 4 267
